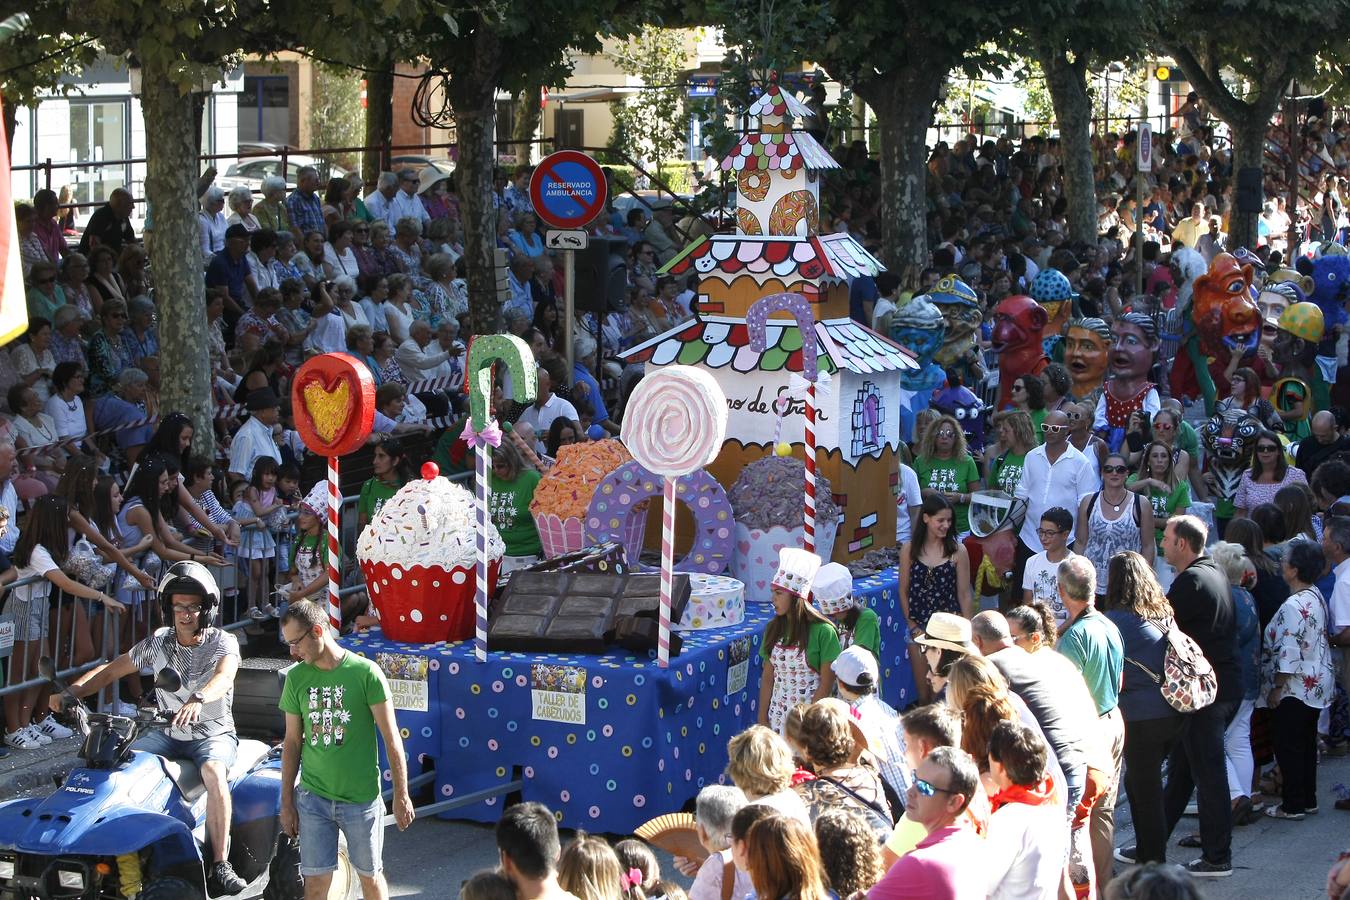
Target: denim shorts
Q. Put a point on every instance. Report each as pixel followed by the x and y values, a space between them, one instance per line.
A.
pixel 320 821
pixel 221 748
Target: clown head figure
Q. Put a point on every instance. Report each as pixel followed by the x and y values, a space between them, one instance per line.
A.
pixel 1226 318
pixel 1301 328
pixel 1052 290
pixel 1087 352
pixel 960 403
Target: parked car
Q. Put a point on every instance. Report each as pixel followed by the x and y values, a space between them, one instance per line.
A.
pixel 251 171
pixel 439 163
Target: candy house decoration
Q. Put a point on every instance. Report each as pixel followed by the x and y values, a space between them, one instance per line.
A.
pixel 418 556
pixel 563 496
pixel 777 249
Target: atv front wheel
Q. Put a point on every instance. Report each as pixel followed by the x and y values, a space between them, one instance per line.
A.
pixel 169 889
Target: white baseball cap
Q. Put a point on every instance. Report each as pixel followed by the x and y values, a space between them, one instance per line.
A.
pixel 856 667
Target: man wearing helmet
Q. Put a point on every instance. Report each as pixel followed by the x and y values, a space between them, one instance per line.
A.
pixel 207 658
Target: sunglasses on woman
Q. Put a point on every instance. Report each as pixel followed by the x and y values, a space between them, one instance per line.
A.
pixel 1267 448
pixel 1115 470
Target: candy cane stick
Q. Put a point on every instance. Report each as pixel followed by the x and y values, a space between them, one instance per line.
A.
pixel 334 547
pixel 809 529
pixel 515 354
pixel 667 573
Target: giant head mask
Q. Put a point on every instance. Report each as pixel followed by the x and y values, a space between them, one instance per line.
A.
pixel 1087 351
pixel 1134 344
pixel 1283 288
pixel 960 307
pixel 918 326
pixel 1226 317
pixel 1052 290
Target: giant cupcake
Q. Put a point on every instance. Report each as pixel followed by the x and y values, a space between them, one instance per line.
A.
pixel 768 500
pixel 564 494
pixel 418 556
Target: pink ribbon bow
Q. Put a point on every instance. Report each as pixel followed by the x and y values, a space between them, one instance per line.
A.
pixel 632 878
pixel 490 435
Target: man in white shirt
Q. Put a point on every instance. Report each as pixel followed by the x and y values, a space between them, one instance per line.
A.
pixel 416 357
pixel 1054 474
pixel 406 204
pixel 547 406
pixel 379 201
pixel 254 440
pixel 9 499
pixel 1336 546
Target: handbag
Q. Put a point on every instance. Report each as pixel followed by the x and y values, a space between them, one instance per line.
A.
pixel 85 565
pixel 1187 680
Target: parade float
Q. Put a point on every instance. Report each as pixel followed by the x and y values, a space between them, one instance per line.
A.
pixel 606 680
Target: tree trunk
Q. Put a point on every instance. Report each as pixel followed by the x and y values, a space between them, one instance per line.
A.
pixel 379 121
pixel 1067 84
pixel 1249 147
pixel 529 113
pixel 473 96
pixel 175 252
pixel 11 121
pixel 903 102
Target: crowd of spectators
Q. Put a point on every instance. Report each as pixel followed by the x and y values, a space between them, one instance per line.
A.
pixel 997 753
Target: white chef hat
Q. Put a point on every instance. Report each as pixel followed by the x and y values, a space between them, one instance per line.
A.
pixel 316 501
pixel 832 590
pixel 796 570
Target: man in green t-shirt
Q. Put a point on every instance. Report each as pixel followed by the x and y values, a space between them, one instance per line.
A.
pixel 334 700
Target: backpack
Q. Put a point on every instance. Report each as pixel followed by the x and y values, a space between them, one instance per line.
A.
pixel 1187 680
pixel 1134 507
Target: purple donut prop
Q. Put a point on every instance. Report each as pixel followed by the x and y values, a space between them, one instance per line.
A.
pixel 613 515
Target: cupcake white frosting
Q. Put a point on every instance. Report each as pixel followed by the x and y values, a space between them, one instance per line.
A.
pixel 429 523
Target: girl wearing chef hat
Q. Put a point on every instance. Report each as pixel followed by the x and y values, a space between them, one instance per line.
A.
pixel 799 642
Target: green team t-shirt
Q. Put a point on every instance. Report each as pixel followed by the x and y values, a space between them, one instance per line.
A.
pixel 1037 420
pixel 509 506
pixel 1165 504
pixel 374 493
pixel 1188 440
pixel 822 646
pixel 339 758
pixel 1007 472
pixel 949 475
pixel 867 632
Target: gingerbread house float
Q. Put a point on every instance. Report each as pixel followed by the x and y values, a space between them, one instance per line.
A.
pixel 777 248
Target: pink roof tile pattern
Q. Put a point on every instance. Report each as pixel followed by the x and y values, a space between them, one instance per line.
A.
pixel 765 151
pixel 829 257
pixel 776 102
pixel 720 343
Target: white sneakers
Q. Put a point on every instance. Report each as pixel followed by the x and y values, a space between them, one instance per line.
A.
pixel 54 729
pixel 35 737
pixel 27 738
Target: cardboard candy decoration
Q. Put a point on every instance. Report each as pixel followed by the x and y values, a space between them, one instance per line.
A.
pixel 482 433
pixel 513 353
pixel 757 318
pixel 333 400
pixel 675 424
pixel 756 321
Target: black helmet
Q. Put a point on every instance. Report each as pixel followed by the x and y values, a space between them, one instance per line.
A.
pixel 189 577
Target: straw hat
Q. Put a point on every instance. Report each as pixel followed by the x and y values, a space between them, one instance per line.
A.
pixel 947 631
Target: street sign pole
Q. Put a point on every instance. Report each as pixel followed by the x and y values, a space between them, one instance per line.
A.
pixel 569 301
pixel 1143 148
pixel 568 190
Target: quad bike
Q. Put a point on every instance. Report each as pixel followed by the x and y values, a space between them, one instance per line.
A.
pixel 130 824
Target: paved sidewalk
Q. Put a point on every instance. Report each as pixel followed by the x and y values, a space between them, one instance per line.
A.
pixel 1272 858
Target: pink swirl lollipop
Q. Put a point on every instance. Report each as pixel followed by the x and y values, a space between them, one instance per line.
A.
pixel 676 421
pixel 674 425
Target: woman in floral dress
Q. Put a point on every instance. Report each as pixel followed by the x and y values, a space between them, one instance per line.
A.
pixel 1297 678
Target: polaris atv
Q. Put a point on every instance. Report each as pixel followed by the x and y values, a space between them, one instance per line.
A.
pixel 129 824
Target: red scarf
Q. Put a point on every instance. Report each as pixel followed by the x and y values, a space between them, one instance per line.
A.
pixel 1039 795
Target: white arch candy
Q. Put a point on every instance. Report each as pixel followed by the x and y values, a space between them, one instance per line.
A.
pixel 676 421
